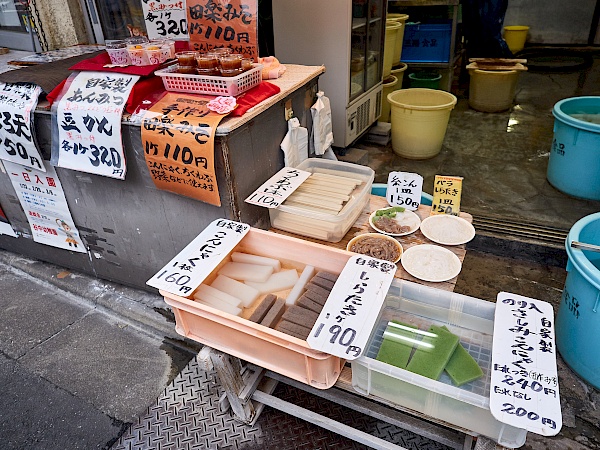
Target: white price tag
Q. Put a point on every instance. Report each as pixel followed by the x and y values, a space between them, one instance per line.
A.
pixel 276 189
pixel 165 18
pixel 345 322
pixel 524 381
pixel 404 189
pixel 186 271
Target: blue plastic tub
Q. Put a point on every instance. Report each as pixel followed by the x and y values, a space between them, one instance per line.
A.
pixel 574 163
pixel 578 318
pixel 380 189
pixel 426 42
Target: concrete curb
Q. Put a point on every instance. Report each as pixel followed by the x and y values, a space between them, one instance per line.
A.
pixel 145 310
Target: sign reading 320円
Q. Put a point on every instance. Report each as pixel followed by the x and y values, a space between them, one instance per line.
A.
pixel 88 123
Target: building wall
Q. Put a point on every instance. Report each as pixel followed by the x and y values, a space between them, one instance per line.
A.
pixel 62 23
pixel 553 21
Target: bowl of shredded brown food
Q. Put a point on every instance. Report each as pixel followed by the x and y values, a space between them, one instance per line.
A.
pixel 376 245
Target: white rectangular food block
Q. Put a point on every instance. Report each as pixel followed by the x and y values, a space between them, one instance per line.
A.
pixel 254 259
pixel 246 272
pixel 279 281
pixel 205 292
pixel 247 294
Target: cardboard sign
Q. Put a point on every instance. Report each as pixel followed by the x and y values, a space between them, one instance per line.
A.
pixel 165 18
pixel 88 123
pixel 347 319
pixel 404 189
pixel 446 195
pixel 524 380
pixel 276 189
pixel 178 136
pixel 17 143
pixel 5 227
pixel 186 271
pixel 43 201
pixel 224 23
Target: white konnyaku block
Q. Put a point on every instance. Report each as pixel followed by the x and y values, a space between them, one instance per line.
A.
pixel 279 281
pixel 247 294
pixel 246 272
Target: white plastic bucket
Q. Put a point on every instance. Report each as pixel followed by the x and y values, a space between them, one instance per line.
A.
pixel 391 34
pixel 419 121
pixel 389 85
pixel 492 91
pixel 401 19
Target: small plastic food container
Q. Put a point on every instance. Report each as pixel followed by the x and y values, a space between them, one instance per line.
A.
pixel 472 320
pixel 187 59
pixel 138 55
pixel 320 224
pixel 154 54
pixel 117 51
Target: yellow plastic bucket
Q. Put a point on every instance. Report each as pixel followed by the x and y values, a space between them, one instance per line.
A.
pixel 419 121
pixel 389 85
pixel 492 90
pixel 401 19
pixel 515 37
pixel 391 34
pixel 398 72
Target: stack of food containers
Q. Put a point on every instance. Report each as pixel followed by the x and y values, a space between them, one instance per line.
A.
pixel 338 201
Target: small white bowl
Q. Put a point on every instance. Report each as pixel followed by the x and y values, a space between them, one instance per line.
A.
pixel 377 236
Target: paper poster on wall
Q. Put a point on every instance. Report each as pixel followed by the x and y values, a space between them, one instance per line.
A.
pixel 224 23
pixel 165 18
pixel 178 135
pixel 5 227
pixel 43 200
pixel 87 122
pixel 17 142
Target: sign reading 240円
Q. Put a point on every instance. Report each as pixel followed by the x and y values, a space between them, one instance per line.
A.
pixel 88 123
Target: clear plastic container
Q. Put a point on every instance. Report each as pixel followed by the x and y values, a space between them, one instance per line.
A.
pixel 322 225
pixel 472 320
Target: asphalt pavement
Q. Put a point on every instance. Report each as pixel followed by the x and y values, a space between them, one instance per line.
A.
pixel 80 358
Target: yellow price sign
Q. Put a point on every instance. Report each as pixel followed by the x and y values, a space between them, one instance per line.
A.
pixel 446 195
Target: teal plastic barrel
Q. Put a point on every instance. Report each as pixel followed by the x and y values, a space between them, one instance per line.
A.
pixel 574 163
pixel 578 318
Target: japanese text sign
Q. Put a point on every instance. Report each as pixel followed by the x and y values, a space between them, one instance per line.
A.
pixel 276 189
pixel 404 189
pixel 88 120
pixel 165 18
pixel 224 23
pixel 186 271
pixel 446 195
pixel 351 310
pixel 5 227
pixel 178 135
pixel 17 143
pixel 524 381
pixel 43 200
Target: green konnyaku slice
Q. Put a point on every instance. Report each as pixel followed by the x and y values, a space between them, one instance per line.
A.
pixel 462 367
pixel 397 344
pixel 433 353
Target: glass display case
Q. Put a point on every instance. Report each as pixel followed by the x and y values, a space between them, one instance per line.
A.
pixel 347 36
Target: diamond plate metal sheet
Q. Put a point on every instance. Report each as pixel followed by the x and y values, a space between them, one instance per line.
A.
pixel 186 416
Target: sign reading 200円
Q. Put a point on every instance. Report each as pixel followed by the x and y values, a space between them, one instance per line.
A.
pixel 88 123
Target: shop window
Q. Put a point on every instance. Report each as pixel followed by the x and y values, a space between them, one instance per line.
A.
pixel 13 16
pixel 121 18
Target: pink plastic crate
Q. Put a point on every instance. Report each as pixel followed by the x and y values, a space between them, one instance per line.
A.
pixel 255 343
pixel 212 85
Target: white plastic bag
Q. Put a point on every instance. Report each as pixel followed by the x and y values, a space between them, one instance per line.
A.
pixel 295 144
pixel 322 129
